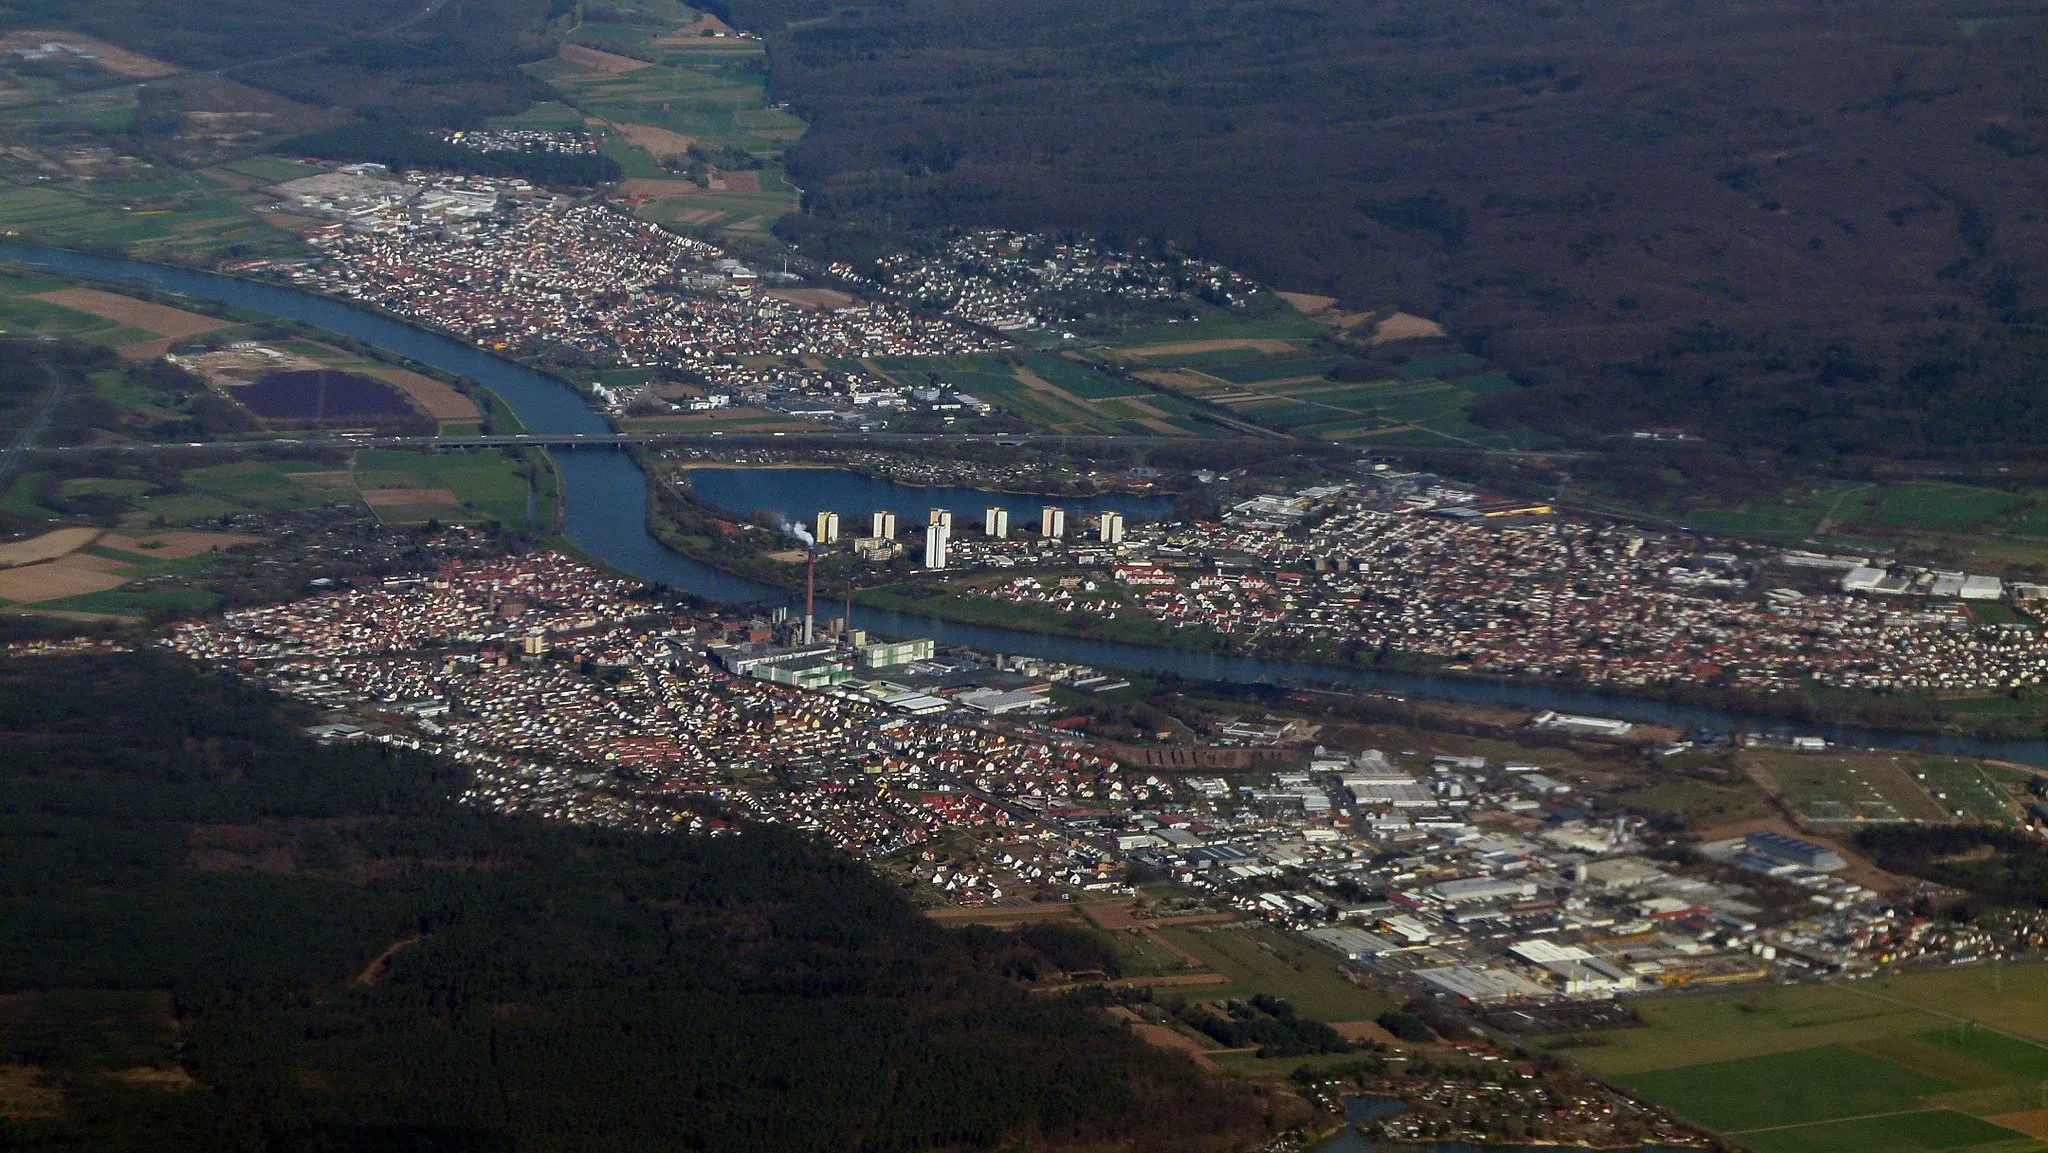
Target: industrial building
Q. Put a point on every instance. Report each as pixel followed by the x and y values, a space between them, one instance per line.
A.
pixel 893 653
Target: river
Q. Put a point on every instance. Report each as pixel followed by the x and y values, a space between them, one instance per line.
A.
pixel 605 497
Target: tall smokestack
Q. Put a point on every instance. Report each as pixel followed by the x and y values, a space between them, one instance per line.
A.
pixel 810 595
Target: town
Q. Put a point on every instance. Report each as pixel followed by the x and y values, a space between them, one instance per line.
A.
pixel 1489 883
pixel 1402 563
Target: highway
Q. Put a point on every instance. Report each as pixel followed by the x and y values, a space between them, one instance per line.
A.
pixel 615 440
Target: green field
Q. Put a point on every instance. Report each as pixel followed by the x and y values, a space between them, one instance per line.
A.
pixel 1257 961
pixel 1928 1131
pixel 1851 786
pixel 1289 391
pixel 712 91
pixel 1968 790
pixel 204 221
pixel 486 484
pixel 1750 1093
pixel 1940 506
pixel 1894 1064
pixel 1081 399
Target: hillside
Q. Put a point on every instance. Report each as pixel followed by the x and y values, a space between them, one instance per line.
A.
pixel 1804 226
pixel 228 938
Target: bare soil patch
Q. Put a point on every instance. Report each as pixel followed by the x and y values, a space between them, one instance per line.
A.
pixel 145 349
pixel 440 401
pixel 1000 915
pixel 175 323
pixel 1861 870
pixel 179 545
pixel 1405 326
pixel 380 965
pixel 1165 1038
pixel 1034 381
pixel 659 141
pixel 409 497
pixel 48 546
pixel 1184 347
pixel 1308 303
pixel 743 182
pixel 650 189
pixel 696 29
pixel 812 297
pixel 1357 1031
pixel 155 1077
pixel 23 1094
pixel 118 61
pixel 57 579
pixel 71 615
pixel 2033 1122
pixel 583 57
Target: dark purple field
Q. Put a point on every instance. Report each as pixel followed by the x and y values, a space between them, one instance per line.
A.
pixel 321 394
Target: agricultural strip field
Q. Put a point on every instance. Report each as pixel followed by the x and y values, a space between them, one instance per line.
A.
pixel 1894 1064
pixel 457 486
pixel 196 225
pixel 1284 386
pixel 654 95
pixel 1054 392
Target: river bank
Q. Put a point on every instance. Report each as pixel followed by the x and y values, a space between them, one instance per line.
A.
pixel 606 499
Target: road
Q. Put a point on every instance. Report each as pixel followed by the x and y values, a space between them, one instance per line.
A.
pixel 24 442
pixel 614 440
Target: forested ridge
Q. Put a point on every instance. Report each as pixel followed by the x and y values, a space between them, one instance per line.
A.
pixel 221 936
pixel 1800 226
pixel 385 60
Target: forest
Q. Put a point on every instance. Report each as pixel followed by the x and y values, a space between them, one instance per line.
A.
pixel 1782 225
pixel 231 938
pixel 384 60
pixel 2003 866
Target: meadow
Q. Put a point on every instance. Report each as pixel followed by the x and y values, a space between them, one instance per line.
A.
pixel 1283 385
pixel 1856 786
pixel 1055 392
pixel 1257 961
pixel 656 92
pixel 1896 1064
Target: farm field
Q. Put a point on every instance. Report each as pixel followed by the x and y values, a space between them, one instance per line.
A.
pixel 655 93
pixel 1055 392
pixel 85 570
pixel 195 225
pixel 1282 384
pixel 455 486
pixel 1892 1064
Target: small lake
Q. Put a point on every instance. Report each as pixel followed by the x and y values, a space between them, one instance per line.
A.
pixel 797 495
